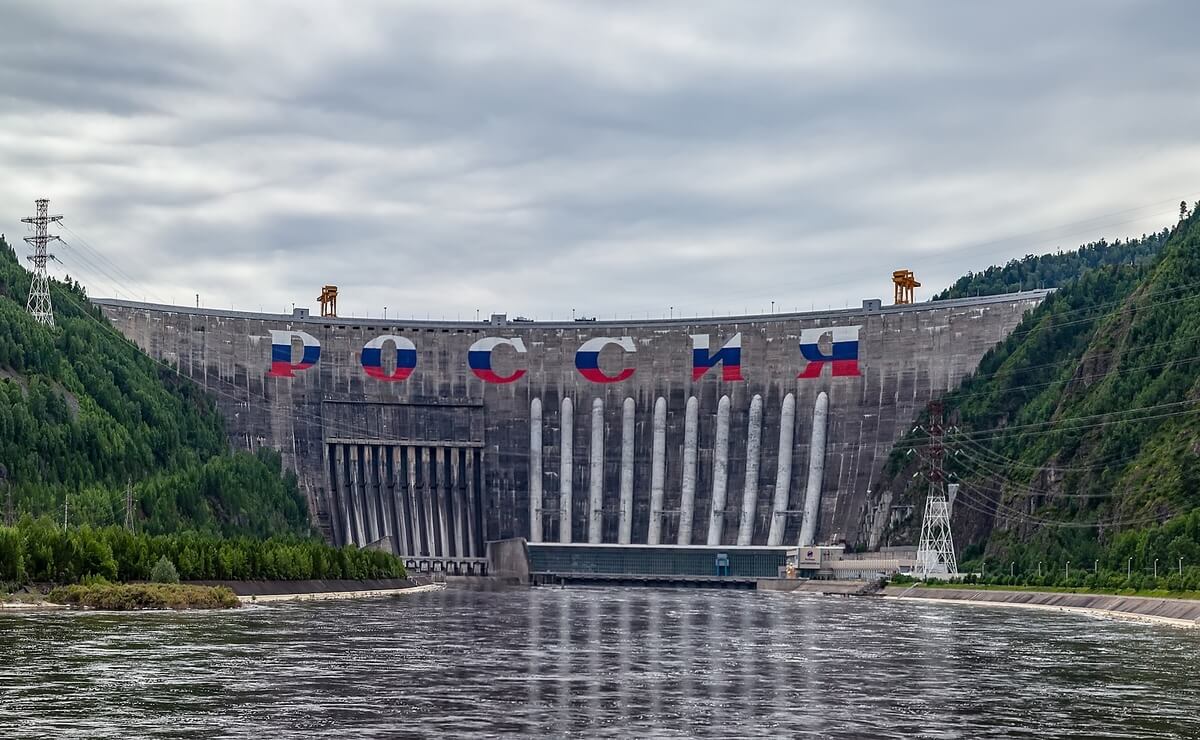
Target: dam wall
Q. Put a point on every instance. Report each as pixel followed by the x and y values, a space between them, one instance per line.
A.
pixel 434 437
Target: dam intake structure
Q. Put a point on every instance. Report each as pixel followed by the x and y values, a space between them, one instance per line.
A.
pixel 432 438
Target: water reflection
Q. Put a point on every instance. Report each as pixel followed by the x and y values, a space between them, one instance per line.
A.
pixel 597 662
pixel 562 723
pixel 534 650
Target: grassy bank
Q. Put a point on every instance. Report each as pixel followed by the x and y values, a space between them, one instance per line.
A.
pixel 1150 593
pixel 137 596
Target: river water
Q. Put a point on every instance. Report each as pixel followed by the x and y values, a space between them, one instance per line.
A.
pixel 597 662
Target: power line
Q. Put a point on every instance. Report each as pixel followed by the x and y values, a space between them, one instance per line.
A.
pixel 959 395
pixel 85 245
pixel 978 499
pixel 1036 428
pixel 1124 309
pixel 971 500
pixel 1011 487
pixel 1005 370
pixel 248 399
pixel 999 460
pixel 957 435
pixel 968 502
pixel 997 433
pixel 962 395
pixel 96 271
pixel 1078 227
pixel 978 435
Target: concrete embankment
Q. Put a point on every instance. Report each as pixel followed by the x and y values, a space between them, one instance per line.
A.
pixel 1177 612
pixel 263 591
pixel 821 588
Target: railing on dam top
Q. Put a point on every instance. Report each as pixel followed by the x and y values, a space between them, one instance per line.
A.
pixel 869 306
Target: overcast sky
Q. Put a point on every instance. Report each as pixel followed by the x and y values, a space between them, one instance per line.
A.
pixel 613 157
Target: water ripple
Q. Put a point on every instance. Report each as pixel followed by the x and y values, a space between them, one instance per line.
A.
pixel 597 663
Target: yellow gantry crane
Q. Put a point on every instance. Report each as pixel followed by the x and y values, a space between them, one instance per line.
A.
pixel 328 299
pixel 905 283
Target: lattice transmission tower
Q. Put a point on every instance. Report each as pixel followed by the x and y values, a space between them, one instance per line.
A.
pixel 129 521
pixel 39 290
pixel 935 553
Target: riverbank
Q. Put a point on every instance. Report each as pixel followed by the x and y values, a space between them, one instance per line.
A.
pixel 26 603
pixel 332 595
pixel 121 597
pixel 258 592
pixel 1092 591
pixel 209 594
pixel 1174 612
pixel 143 597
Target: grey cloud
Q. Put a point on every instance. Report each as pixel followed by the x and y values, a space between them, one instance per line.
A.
pixel 614 157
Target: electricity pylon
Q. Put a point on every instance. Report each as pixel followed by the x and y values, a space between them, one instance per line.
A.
pixel 38 304
pixel 935 553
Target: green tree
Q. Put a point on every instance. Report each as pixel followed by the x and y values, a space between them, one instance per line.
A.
pixel 83 411
pixel 12 556
pixel 164 571
pixel 1077 438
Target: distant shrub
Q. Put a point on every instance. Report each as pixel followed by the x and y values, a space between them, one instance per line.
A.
pixel 164 571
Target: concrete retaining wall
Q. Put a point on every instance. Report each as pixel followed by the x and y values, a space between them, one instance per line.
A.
pixel 820 588
pixel 508 560
pixel 274 588
pixel 1183 610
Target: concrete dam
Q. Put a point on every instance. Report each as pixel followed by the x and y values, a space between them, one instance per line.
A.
pixel 431 438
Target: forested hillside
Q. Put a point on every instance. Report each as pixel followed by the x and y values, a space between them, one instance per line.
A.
pixel 1078 439
pixel 1055 270
pixel 83 413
